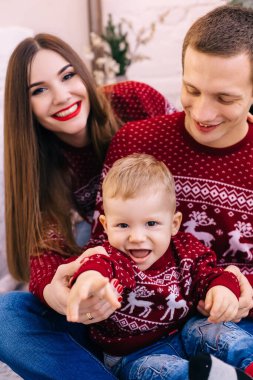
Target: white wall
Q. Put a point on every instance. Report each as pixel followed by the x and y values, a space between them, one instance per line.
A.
pixel 65 18
pixel 163 70
pixel 68 20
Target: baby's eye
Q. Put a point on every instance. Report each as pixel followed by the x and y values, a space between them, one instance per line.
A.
pixel 152 223
pixel 38 91
pixel 122 225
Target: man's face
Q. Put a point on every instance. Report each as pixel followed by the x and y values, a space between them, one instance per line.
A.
pixel 216 95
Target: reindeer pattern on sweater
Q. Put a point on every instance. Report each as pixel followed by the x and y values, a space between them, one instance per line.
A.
pixel 155 301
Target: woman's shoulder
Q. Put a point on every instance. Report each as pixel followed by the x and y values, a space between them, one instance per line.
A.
pixel 148 136
pixel 157 123
pixel 133 100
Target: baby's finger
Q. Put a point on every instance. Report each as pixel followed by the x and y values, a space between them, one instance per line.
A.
pixel 110 296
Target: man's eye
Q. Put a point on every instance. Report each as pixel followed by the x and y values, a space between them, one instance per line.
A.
pixel 122 225
pixel 192 92
pixel 225 101
pixel 152 223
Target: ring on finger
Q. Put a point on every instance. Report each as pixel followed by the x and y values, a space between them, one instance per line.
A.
pixel 89 316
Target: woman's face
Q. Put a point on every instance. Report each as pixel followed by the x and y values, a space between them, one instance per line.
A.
pixel 59 98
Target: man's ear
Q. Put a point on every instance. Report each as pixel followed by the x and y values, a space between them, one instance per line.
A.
pixel 102 220
pixel 176 222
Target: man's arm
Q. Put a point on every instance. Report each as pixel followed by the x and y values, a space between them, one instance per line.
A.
pixel 245 299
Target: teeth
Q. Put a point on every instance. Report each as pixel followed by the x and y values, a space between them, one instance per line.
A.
pixel 67 112
pixel 208 125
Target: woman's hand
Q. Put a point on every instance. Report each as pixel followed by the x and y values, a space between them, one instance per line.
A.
pixel 56 293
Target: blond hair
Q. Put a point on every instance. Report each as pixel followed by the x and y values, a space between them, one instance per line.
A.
pixel 133 174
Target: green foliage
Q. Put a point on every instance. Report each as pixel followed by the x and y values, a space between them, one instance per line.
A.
pixel 245 3
pixel 118 41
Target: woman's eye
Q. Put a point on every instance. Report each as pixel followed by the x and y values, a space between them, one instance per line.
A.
pixel 69 76
pixel 38 91
pixel 152 223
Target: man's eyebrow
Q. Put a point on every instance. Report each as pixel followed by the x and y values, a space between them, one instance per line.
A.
pixel 229 94
pixel 59 72
pixel 188 83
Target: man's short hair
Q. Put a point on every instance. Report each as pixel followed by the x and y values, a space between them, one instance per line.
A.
pixel 225 31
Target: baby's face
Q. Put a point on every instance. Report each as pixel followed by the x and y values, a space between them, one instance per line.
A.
pixel 141 226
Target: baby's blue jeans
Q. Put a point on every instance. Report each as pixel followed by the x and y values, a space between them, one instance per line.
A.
pixel 230 342
pixel 163 360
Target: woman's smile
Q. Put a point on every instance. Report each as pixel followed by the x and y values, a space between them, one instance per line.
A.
pixel 69 112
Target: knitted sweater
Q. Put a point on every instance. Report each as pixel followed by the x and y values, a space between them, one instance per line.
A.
pixel 158 300
pixel 214 186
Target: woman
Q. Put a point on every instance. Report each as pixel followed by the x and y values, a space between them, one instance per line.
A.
pixel 57 130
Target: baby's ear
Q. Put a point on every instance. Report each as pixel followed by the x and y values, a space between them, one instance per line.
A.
pixel 102 220
pixel 176 223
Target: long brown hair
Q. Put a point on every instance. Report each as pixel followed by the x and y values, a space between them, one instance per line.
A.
pixel 37 178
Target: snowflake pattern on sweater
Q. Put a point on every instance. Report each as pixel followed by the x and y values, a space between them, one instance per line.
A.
pixel 214 186
pixel 158 300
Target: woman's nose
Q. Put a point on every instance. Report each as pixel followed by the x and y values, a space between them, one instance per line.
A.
pixel 60 95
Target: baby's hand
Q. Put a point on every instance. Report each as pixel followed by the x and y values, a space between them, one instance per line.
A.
pixel 221 304
pixel 87 285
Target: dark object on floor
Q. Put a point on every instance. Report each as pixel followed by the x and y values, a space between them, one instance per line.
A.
pixel 207 367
